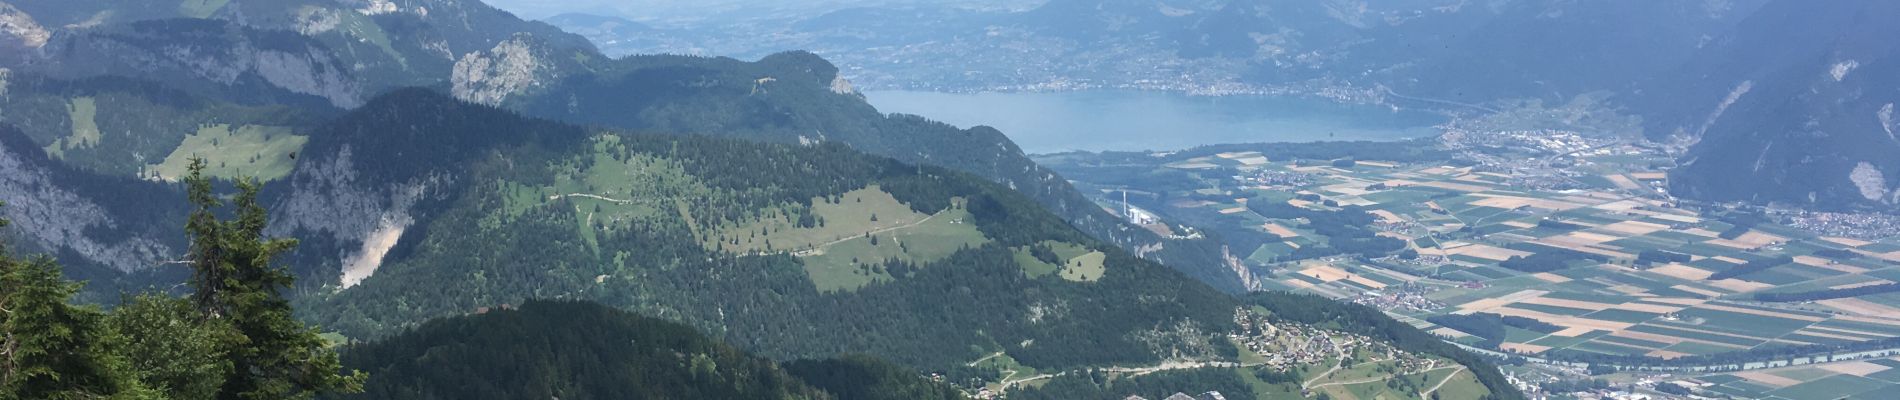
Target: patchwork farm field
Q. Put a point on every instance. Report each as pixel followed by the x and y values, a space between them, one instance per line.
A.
pixel 1856 380
pixel 1610 265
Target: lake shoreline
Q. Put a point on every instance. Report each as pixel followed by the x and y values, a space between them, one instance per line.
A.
pixel 1129 120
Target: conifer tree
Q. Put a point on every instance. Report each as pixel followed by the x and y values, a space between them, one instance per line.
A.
pixel 271 354
pixel 49 348
pixel 168 348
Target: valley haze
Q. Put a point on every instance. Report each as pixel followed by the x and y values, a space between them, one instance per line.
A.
pixel 906 199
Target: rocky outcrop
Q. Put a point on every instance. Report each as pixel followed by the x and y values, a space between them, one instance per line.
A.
pixel 309 72
pixel 19 29
pixel 840 85
pixel 313 20
pixel 1868 179
pixel 490 77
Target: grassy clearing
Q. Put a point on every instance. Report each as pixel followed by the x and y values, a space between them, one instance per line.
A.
pixel 1074 262
pixel 200 8
pixel 83 111
pixel 846 245
pixel 1085 268
pixel 1462 385
pixel 610 193
pixel 1031 265
pixel 854 262
pixel 856 213
pixel 1008 366
pixel 256 151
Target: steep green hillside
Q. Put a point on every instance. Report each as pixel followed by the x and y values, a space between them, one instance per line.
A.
pixel 123 127
pixel 319 54
pixel 647 223
pixel 796 97
pixel 574 350
pixel 737 240
pixel 957 254
pixel 513 209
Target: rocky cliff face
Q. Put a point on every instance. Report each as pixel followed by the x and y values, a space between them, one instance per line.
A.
pixel 512 67
pixel 311 72
pixel 19 31
pixel 365 218
pixel 55 219
pixel 203 53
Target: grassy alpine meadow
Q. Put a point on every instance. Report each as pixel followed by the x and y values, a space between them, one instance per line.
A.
pixel 253 151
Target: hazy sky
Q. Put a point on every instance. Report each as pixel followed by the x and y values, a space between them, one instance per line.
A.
pixel 648 10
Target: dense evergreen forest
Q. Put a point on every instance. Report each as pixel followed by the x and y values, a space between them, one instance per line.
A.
pixel 577 350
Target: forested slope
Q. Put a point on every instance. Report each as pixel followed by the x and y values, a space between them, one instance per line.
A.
pixel 321 55
pixel 575 350
pixel 507 222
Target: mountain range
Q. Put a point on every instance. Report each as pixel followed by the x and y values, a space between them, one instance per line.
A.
pixel 1681 66
pixel 442 158
pixel 331 64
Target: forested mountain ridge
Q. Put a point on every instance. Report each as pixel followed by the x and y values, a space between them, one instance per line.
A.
pixel 664 224
pixel 418 203
pixel 798 251
pixel 797 97
pixel 950 271
pixel 1471 51
pixel 319 56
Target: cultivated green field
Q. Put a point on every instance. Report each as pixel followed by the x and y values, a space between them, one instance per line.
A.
pixel 1614 264
pixel 1857 380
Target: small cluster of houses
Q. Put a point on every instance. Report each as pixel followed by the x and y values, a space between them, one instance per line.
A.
pixel 1273 179
pixel 1407 298
pixel 1287 346
pixel 1865 225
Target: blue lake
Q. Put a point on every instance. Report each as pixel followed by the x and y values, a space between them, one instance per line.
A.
pixel 1140 120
